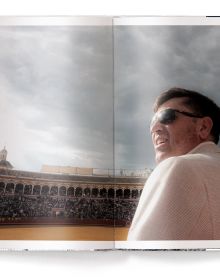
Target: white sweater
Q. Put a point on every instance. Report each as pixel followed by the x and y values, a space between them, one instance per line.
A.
pixel 181 198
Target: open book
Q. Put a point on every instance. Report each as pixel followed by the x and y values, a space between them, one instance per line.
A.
pixel 76 98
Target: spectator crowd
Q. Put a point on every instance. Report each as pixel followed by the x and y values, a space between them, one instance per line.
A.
pixel 119 210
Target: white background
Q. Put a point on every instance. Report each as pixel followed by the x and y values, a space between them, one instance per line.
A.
pixel 109 265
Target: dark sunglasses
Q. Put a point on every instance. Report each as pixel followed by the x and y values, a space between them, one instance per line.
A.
pixel 168 116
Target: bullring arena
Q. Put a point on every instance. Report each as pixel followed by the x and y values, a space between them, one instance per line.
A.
pixel 87 205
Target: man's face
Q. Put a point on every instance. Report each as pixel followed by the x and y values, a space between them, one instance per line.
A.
pixel 175 138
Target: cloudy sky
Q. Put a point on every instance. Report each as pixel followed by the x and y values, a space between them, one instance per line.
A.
pixel 148 61
pixel 56 96
pixel 56 101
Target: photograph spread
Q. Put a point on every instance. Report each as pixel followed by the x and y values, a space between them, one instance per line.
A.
pixel 109 133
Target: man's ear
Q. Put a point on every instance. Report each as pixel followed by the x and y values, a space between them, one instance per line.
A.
pixel 204 128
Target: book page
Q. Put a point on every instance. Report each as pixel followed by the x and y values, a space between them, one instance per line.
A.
pixel 151 56
pixel 56 146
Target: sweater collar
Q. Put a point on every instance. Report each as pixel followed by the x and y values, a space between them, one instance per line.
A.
pixel 205 147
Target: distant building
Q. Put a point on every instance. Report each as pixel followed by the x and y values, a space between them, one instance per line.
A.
pixel 66 170
pixel 3 162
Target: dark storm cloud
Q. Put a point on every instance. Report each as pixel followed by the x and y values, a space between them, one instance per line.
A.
pixel 149 60
pixel 56 90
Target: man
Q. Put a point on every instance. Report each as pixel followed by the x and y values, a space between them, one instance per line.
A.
pixel 181 198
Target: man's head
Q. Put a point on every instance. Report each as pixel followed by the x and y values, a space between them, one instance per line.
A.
pixel 183 119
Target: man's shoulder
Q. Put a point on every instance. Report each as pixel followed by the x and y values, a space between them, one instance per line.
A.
pixel 204 153
pixel 167 169
pixel 189 167
pixel 177 170
pixel 177 162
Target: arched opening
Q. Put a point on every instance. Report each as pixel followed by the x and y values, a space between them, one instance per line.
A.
pixel 45 190
pixel 119 193
pixel 2 187
pixel 54 190
pixel 95 192
pixel 111 193
pixel 87 192
pixel 127 193
pixel 27 189
pixel 9 188
pixel 78 192
pixel 19 189
pixel 70 191
pixel 36 190
pixel 62 191
pixel 134 193
pixel 103 192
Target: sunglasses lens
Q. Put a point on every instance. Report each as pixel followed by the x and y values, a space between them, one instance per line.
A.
pixel 167 116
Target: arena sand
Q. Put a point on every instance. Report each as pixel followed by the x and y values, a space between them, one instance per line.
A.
pixel 83 233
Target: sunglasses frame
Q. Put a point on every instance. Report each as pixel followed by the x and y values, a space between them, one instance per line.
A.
pixel 164 118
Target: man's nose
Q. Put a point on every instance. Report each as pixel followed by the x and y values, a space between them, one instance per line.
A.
pixel 156 126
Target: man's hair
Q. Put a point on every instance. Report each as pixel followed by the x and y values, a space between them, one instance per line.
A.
pixel 199 103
